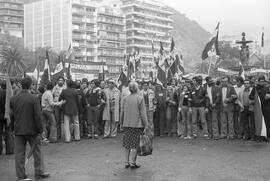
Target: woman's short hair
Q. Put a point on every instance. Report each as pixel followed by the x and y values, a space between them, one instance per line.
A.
pixel 133 87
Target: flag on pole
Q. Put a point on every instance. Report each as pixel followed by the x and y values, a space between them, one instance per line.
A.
pixel 212 44
pixel 137 58
pixel 37 72
pixel 241 71
pixel 177 65
pixel 131 66
pixel 69 52
pixel 161 76
pixel 262 39
pixel 260 127
pixel 161 67
pixel 9 94
pixel 46 77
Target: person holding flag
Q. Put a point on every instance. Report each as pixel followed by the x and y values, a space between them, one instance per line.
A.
pixel 261 95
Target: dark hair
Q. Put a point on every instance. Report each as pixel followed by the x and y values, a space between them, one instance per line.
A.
pixel 208 78
pixel 70 84
pixel 26 83
pixel 49 86
pixel 77 85
pixel 84 80
pixel 41 89
pixel 60 77
pixel 96 82
pixel 261 78
pixel 240 79
pixel 3 84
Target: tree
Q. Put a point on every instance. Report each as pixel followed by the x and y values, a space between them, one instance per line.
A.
pixel 12 63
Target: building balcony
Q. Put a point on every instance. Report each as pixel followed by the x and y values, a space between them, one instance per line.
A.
pixel 78 37
pixel 89 21
pixel 78 12
pixel 144 30
pixel 12 1
pixel 79 29
pixel 141 14
pixel 10 13
pixel 111 38
pixel 77 20
pixel 18 8
pixel 90 29
pixel 148 38
pixel 119 23
pixel 158 9
pixel 89 45
pixel 78 54
pixel 107 54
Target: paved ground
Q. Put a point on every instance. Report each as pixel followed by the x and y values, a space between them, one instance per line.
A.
pixel 173 159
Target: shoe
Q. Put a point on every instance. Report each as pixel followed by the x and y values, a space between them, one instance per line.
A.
pixel 95 136
pixel 134 166
pixel 41 176
pixel 127 165
pixel 25 179
pixel 182 136
pixel 189 137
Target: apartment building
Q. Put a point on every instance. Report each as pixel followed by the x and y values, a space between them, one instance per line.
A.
pixel 146 21
pixel 11 17
pixel 111 39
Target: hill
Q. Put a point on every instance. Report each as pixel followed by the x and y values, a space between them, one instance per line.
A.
pixel 190 38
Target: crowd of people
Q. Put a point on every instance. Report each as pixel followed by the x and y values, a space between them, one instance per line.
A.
pixel 218 109
pixel 223 108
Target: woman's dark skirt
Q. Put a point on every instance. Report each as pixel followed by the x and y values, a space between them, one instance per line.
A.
pixel 131 137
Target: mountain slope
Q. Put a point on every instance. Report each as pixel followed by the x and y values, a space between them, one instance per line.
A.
pixel 190 38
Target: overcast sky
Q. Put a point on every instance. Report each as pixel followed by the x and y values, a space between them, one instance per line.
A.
pixel 235 16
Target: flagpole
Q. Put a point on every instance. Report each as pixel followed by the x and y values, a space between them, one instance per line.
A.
pixel 210 62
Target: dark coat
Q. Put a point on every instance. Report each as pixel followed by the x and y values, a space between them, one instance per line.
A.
pixel 229 95
pixel 2 103
pixel 26 114
pixel 72 105
pixel 216 98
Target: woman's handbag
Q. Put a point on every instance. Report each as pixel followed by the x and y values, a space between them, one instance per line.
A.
pixel 146 146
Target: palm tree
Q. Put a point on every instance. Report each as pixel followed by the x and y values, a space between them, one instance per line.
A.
pixel 12 62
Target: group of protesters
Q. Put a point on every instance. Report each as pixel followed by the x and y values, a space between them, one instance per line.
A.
pixel 217 109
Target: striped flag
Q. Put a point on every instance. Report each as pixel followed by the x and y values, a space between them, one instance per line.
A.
pixel 260 127
pixel 212 44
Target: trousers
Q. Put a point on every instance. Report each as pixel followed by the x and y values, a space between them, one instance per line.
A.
pixel 67 121
pixel 49 120
pixel 5 132
pixel 195 112
pixel 92 119
pixel 111 126
pixel 20 148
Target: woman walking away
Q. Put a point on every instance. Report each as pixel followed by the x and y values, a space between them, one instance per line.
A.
pixel 134 121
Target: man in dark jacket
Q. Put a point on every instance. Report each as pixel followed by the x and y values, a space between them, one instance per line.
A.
pixel 95 99
pixel 5 129
pixel 71 110
pixel 198 103
pixel 27 122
